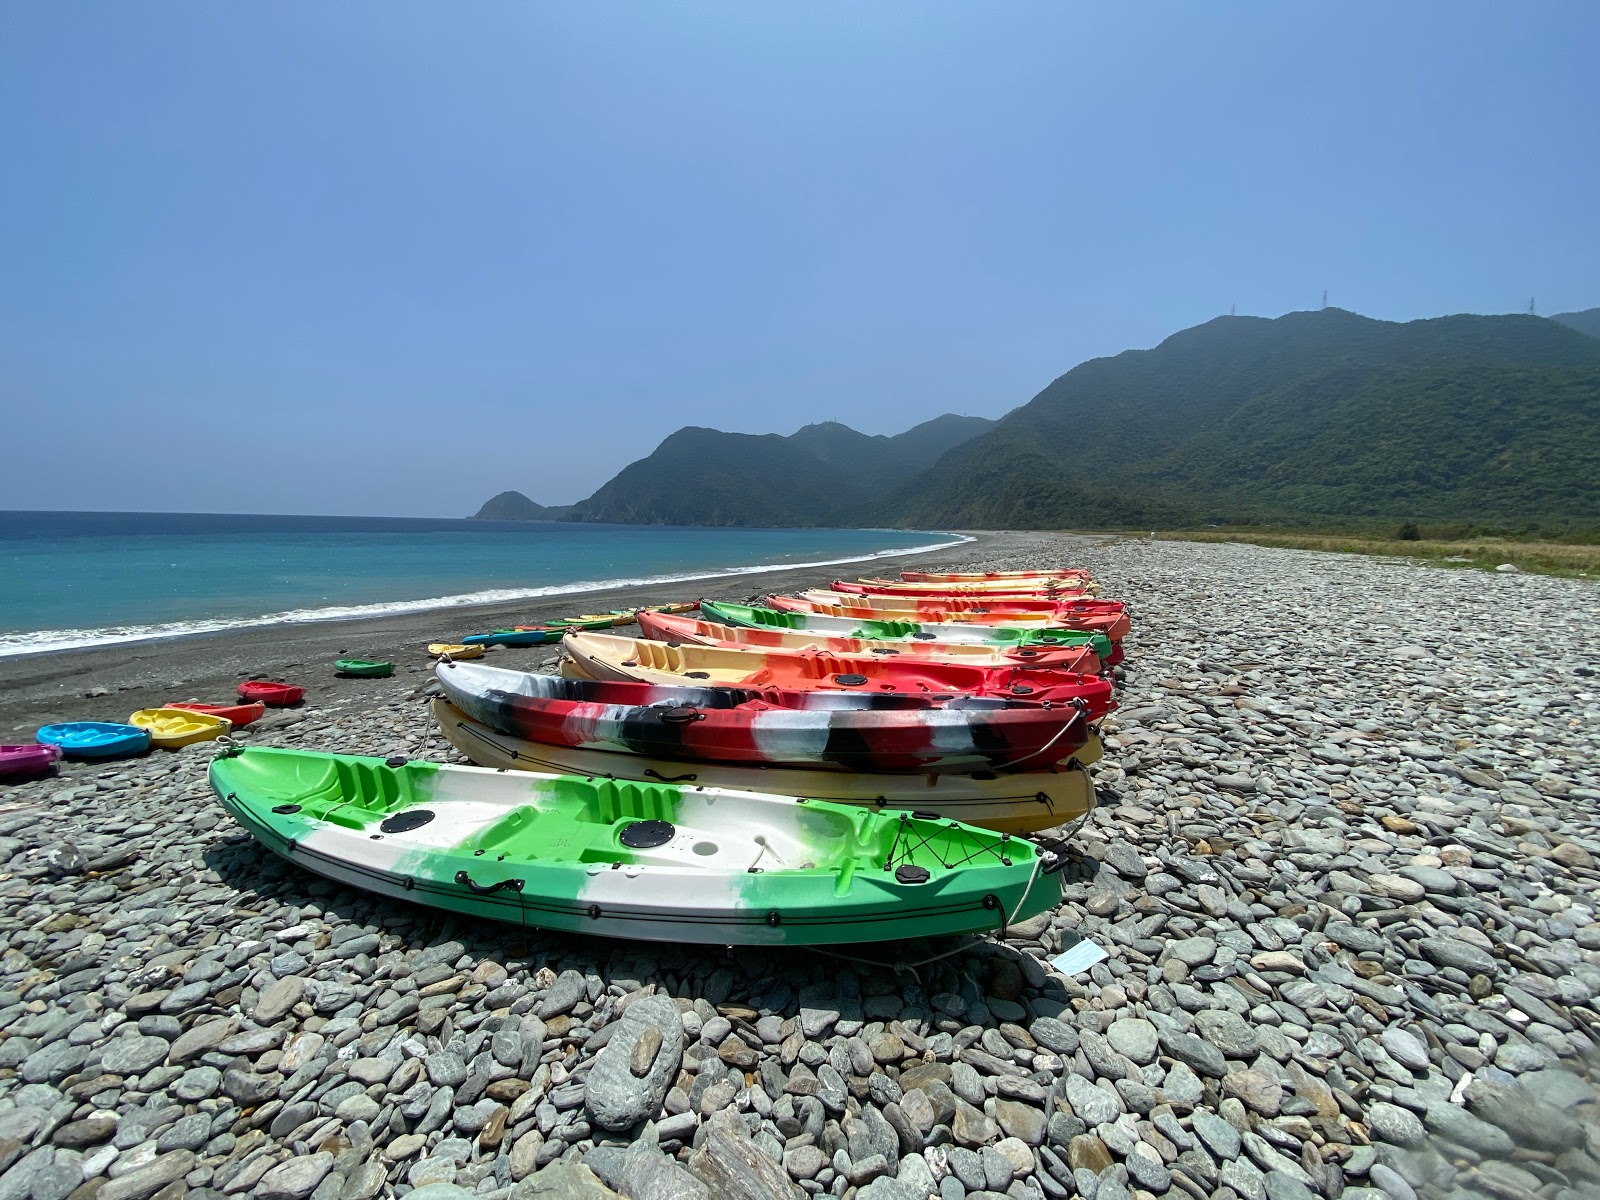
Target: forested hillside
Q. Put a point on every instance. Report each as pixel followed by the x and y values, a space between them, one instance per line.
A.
pixel 1312 415
pixel 703 476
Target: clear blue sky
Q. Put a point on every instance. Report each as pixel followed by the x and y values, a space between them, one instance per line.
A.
pixel 391 258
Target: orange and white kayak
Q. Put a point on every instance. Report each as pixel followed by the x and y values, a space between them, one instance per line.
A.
pixel 607 656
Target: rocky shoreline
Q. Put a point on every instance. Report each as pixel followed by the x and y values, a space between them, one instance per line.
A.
pixel 1344 872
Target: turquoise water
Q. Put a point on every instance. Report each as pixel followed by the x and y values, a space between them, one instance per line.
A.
pixel 73 579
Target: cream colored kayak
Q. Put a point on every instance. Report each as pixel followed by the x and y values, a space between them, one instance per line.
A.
pixel 454 650
pixel 1022 803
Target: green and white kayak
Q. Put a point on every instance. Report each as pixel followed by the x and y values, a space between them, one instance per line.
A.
pixel 367 667
pixel 890 630
pixel 616 858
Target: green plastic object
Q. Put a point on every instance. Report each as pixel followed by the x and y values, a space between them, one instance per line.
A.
pixel 364 666
pixel 617 858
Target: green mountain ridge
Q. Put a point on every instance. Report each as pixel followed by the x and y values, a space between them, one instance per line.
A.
pixel 1586 321
pixel 1311 415
pixel 700 476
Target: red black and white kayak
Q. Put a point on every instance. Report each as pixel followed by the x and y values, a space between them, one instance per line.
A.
pixel 726 724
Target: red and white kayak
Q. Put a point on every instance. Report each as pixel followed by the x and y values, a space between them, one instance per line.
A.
pixel 893 733
pixel 1043 593
pixel 274 695
pixel 1080 660
pixel 1036 606
pixel 238 715
pixel 1060 573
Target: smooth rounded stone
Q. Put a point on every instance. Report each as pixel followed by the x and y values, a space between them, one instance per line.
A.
pixel 198 1040
pixel 1434 880
pixel 1126 861
pixel 1406 1048
pixel 197 1083
pixel 367 1071
pixel 1558 1087
pixel 1397 887
pixel 56 1181
pixel 187 1133
pixel 804 1162
pixel 1182 1088
pixel 1227 1031
pixel 1194 951
pixel 1530 1121
pixel 1280 1185
pixel 1090 1103
pixel 148 1180
pixel 564 994
pixel 1355 938
pixel 616 1097
pixel 1217 1135
pixel 1256 1090
pixel 1020 1121
pixel 360 1107
pixel 246 1089
pixel 133 1055
pixel 445 1069
pixel 435 1169
pixel 1194 1052
pixel 90 1131
pixel 1055 1035
pixel 1133 1037
pixel 160 1025
pixel 1463 956
pixel 277 998
pixel 1391 1182
pixel 1396 1125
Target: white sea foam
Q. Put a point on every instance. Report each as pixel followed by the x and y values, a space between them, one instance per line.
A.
pixel 44 640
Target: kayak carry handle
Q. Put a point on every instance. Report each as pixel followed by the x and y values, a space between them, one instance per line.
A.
pixel 659 777
pixel 480 889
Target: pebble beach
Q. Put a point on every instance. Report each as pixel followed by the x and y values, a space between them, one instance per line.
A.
pixel 1343 872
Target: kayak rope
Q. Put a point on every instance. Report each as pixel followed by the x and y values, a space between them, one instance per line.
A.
pixel 924 841
pixel 1057 736
pixel 426 732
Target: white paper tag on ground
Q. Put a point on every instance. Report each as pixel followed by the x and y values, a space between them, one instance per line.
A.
pixel 1078 957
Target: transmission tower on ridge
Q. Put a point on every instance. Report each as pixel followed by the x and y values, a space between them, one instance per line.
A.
pixel 1531 311
pixel 1324 297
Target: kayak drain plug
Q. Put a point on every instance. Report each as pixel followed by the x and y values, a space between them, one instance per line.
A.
pixel 402 822
pixel 646 835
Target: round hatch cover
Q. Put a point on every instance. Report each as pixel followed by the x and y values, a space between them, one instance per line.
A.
pixel 412 818
pixel 907 873
pixel 849 680
pixel 647 835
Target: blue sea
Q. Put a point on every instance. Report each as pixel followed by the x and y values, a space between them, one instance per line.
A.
pixel 81 579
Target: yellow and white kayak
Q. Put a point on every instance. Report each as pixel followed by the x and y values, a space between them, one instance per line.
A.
pixel 171 728
pixel 1025 802
pixel 454 650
